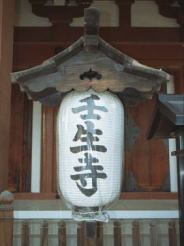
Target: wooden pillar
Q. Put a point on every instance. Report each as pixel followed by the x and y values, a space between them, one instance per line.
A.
pixel 6 44
pixel 6 219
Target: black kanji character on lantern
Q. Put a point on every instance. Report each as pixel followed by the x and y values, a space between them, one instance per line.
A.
pixel 89 138
pixel 90 107
pixel 93 174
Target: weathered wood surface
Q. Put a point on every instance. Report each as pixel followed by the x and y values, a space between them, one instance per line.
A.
pixel 153 234
pixel 136 238
pixel 117 234
pixel 6 218
pixel 156 233
pixel 62 239
pixel 44 234
pixel 100 234
pixel 61 74
pixel 89 63
pixel 142 154
pixel 21 142
pixel 80 234
pixel 172 233
pixel 48 160
pixel 25 240
pixel 6 52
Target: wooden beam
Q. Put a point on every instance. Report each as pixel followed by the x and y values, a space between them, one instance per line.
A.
pixel 124 196
pixel 6 45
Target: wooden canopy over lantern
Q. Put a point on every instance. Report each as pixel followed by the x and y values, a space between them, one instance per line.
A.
pixel 169 117
pixel 89 63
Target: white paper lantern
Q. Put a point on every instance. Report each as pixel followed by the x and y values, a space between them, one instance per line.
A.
pixel 90 143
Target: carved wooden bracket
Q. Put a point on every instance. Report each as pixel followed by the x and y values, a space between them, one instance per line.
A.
pixel 89 63
pixel 172 9
pixel 64 14
pixel 59 14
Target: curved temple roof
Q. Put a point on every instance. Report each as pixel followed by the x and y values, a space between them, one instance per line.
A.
pixel 89 63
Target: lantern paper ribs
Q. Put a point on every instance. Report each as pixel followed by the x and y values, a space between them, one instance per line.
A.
pixel 90 128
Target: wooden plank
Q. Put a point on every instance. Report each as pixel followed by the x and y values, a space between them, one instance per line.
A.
pixel 25 234
pixel 80 234
pixel 48 166
pixel 136 239
pixel 6 51
pixel 123 196
pixel 99 239
pixel 149 195
pixel 153 234
pixel 62 234
pixel 117 234
pixel 172 233
pixel 6 219
pixel 35 196
pixel 44 234
pixel 90 234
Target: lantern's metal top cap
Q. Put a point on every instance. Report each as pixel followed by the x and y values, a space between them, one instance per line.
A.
pixel 90 63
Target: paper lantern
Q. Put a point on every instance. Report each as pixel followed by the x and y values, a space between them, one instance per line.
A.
pixel 90 142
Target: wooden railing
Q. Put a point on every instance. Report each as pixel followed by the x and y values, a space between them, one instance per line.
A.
pixel 50 232
pixel 118 233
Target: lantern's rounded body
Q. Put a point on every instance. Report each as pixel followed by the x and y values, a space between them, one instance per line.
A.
pixel 90 143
